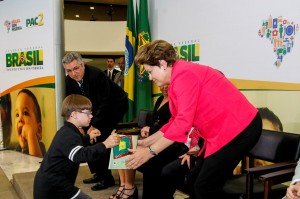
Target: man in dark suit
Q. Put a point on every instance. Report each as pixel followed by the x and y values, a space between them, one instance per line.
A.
pixel 119 78
pixel 109 102
pixel 110 71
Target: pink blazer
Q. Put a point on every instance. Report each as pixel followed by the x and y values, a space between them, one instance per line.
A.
pixel 203 98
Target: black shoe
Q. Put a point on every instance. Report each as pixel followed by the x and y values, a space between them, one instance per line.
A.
pixel 91 180
pixel 134 195
pixel 104 184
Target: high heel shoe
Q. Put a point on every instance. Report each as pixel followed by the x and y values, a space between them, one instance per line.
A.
pixel 134 195
pixel 118 194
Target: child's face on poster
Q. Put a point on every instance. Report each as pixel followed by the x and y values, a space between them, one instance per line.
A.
pixel 25 119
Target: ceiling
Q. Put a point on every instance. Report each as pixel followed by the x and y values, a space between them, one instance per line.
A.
pixel 100 13
pixel 103 10
pixel 114 2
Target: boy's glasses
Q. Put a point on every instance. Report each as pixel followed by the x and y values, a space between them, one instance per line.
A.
pixel 88 113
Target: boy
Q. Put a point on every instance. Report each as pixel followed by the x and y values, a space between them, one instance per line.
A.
pixel 57 174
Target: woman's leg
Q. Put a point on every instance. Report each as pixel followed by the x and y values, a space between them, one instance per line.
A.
pixel 153 186
pixel 129 182
pixel 173 177
pixel 129 178
pixel 122 177
pixel 217 168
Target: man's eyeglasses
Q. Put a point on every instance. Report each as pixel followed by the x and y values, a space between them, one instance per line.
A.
pixel 88 113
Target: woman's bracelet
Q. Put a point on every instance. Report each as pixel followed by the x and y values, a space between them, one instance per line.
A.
pixel 152 152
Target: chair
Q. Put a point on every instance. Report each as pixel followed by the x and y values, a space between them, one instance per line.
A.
pixel 133 128
pixel 274 178
pixel 277 147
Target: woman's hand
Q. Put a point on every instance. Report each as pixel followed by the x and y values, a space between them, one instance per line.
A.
pixel 142 143
pixel 186 158
pixel 139 157
pixel 293 192
pixel 145 131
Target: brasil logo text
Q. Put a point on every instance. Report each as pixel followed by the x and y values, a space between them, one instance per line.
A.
pixel 188 50
pixel 24 58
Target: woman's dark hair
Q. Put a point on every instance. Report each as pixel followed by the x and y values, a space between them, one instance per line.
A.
pixel 267 114
pixel 151 53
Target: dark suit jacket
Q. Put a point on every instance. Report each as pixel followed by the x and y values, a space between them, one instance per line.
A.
pixel 109 101
pixel 119 79
pixel 160 116
pixel 113 73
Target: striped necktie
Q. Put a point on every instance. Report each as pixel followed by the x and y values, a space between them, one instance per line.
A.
pixel 81 87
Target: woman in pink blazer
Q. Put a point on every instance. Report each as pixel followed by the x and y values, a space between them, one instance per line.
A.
pixel 201 98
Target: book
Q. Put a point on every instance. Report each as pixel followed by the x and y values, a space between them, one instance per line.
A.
pixel 119 153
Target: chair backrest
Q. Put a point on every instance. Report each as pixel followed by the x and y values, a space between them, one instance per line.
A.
pixel 144 118
pixel 277 146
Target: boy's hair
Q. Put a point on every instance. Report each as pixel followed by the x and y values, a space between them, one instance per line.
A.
pixel 267 114
pixel 75 102
pixel 157 50
pixel 71 56
pixel 37 108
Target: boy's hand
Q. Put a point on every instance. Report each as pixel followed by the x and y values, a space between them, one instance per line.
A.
pixel 90 129
pixel 112 140
pixel 93 135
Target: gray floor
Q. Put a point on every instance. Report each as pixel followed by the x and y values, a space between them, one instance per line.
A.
pixel 18 171
pixel 23 182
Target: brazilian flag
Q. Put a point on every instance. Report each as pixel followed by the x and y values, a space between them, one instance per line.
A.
pixel 143 86
pixel 129 59
pixel 136 80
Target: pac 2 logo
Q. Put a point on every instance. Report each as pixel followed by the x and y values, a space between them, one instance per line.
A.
pixel 35 21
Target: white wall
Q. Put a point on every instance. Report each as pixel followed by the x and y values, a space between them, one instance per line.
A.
pixel 95 37
pixel 108 38
pixel 227 34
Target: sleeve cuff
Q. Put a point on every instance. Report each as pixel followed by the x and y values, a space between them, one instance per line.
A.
pixel 295 181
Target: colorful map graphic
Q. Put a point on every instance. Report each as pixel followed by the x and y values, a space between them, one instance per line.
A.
pixel 281 33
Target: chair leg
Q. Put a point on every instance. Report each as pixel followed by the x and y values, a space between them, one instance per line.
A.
pixel 267 189
pixel 249 186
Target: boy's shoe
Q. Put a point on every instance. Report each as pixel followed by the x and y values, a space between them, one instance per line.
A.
pixel 104 184
pixel 91 180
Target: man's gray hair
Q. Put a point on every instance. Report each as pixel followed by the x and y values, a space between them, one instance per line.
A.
pixel 71 56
